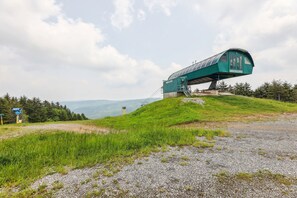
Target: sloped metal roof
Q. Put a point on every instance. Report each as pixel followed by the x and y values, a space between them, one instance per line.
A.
pixel 206 63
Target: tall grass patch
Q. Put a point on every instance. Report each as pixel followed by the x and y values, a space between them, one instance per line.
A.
pixel 29 157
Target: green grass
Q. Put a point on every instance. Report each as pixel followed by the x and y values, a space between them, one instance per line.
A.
pixel 173 111
pixel 148 129
pixel 28 157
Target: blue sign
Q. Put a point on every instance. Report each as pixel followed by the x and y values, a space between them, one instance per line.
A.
pixel 17 111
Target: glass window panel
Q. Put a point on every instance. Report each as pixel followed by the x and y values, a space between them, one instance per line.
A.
pixel 196 66
pixel 214 60
pixel 247 61
pixel 204 63
pixel 207 63
pixel 224 58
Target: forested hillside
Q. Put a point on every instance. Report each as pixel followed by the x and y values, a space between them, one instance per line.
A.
pixel 35 110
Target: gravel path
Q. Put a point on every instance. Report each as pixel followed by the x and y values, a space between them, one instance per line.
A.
pixel 269 147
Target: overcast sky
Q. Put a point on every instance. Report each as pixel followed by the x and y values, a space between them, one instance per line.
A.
pixel 123 49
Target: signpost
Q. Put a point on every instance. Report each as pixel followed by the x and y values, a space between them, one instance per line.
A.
pixel 123 110
pixel 17 112
pixel 1 118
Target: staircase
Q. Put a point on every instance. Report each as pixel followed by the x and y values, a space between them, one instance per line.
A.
pixel 186 91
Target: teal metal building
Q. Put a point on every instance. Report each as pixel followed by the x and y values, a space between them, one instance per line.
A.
pixel 227 64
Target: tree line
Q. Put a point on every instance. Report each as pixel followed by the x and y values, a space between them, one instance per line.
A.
pixel 35 110
pixel 276 90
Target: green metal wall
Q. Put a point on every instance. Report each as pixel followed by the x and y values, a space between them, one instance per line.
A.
pixel 174 85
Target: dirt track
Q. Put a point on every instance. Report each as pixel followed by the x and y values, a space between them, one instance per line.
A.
pixel 80 128
pixel 40 128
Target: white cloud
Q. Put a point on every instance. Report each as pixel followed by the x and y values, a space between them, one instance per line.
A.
pixel 141 15
pixel 268 30
pixel 57 57
pixel 45 53
pixel 163 5
pixel 123 15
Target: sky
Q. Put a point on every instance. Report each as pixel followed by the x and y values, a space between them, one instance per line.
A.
pixel 64 50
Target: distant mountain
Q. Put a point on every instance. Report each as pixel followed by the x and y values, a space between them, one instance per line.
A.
pixel 102 108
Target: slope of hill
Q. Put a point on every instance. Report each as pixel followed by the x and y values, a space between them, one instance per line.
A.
pixel 101 108
pixel 26 158
pixel 173 111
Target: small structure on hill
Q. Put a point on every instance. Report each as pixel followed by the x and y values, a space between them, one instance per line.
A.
pixel 124 110
pixel 227 64
pixel 18 112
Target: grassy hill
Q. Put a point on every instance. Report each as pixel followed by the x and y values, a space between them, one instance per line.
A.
pixel 95 109
pixel 173 111
pixel 26 158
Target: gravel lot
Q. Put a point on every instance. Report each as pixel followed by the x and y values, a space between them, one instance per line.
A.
pixel 270 147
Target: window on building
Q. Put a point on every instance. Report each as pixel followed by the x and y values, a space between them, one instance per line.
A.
pixel 224 58
pixel 247 61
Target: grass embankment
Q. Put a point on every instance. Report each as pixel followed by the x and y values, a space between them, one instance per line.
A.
pixel 26 158
pixel 173 111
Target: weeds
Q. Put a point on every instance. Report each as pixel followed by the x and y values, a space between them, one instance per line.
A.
pixel 164 160
pixel 57 185
pixel 26 158
pixel 260 176
pixel 184 163
pixel 188 188
pixel 185 158
pixel 95 193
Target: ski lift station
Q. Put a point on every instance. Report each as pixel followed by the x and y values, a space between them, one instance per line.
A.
pixel 227 64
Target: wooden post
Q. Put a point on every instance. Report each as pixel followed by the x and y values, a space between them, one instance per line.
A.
pixel 17 119
pixel 1 118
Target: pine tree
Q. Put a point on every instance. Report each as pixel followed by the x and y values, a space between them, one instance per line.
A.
pixel 222 86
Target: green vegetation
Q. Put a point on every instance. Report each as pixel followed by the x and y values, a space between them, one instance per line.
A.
pixel 261 175
pixel 164 160
pixel 35 110
pixel 276 90
pixel 57 185
pixel 148 129
pixel 29 157
pixel 173 111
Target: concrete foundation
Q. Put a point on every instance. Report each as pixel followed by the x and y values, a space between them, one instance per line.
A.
pixel 211 93
pixel 172 94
